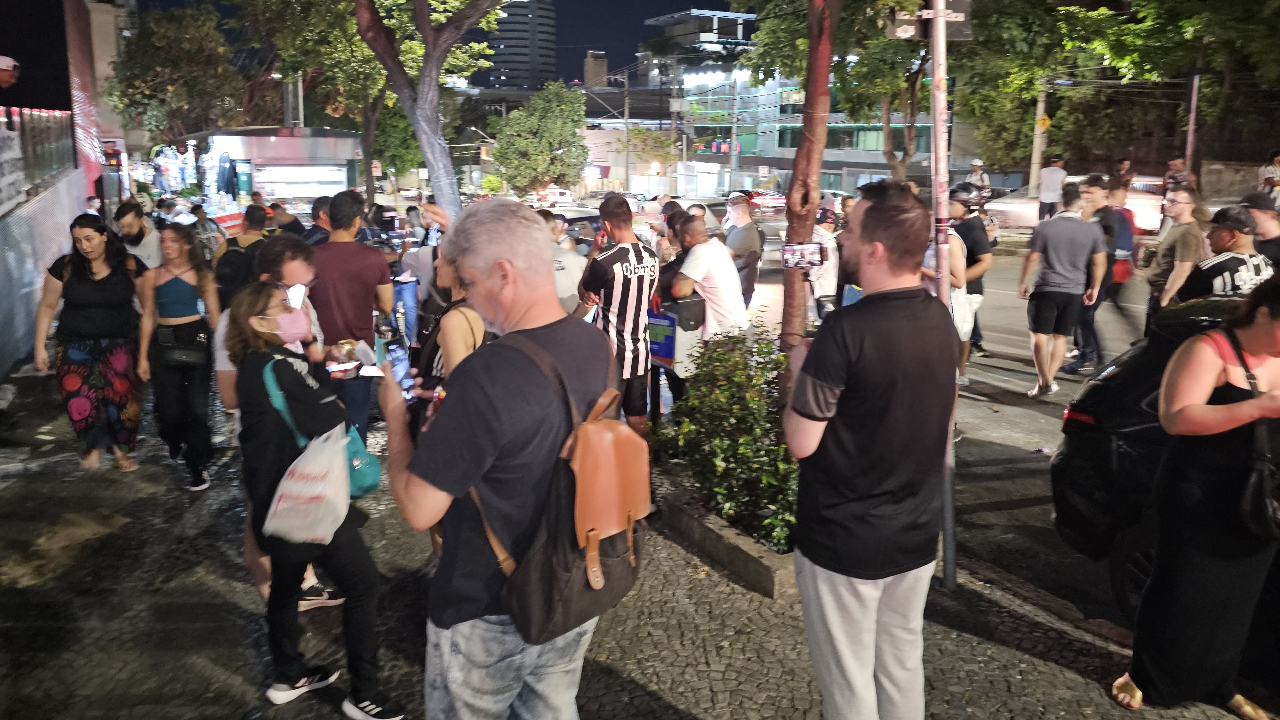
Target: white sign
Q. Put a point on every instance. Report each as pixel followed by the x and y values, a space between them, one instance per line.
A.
pixel 424 174
pixel 376 168
pixel 12 176
pixel 764 171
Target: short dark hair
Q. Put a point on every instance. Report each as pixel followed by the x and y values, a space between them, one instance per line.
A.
pixel 615 209
pixel 674 221
pixel 91 198
pixel 196 208
pixel 700 206
pixel 681 226
pixel 279 249
pixel 344 211
pixel 1054 158
pixel 131 207
pixel 671 206
pixel 1117 183
pixel 1123 159
pixel 255 217
pixel 276 206
pixel 1096 180
pixel 1070 194
pixel 256 192
pixel 320 205
pixel 545 214
pixel 899 220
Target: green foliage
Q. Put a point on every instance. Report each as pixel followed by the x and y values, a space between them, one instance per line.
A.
pixel 650 146
pixel 396 145
pixel 173 76
pixel 728 429
pixel 491 184
pixel 539 144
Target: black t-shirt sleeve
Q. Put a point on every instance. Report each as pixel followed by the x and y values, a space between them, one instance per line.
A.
pixel 1198 285
pixel 315 407
pixel 597 276
pixel 59 268
pixel 975 239
pixel 466 435
pixel 823 377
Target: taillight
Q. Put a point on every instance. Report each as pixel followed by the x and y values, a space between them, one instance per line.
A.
pixel 1074 421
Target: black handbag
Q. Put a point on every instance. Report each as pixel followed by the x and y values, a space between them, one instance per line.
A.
pixel 1260 503
pixel 174 353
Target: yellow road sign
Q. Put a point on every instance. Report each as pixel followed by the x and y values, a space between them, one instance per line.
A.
pixel 1043 122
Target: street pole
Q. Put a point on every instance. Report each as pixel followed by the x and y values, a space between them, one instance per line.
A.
pixel 301 121
pixel 626 127
pixel 733 133
pixel 941 225
pixel 1191 120
pixel 1037 142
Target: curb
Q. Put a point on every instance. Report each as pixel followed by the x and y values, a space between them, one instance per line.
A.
pixel 18 468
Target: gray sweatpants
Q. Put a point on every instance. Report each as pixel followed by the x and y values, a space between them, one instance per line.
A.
pixel 865 641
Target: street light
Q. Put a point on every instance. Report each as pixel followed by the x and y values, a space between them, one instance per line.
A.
pixel 486 137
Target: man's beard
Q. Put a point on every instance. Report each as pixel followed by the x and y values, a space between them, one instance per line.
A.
pixel 133 239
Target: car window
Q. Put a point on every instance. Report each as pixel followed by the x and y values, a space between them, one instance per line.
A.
pixel 580 230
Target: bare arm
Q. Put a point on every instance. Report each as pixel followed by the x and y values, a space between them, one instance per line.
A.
pixel 44 318
pixel 386 298
pixel 1181 271
pixel 421 503
pixel 1028 265
pixel 457 339
pixel 1095 282
pixel 979 268
pixel 209 292
pixel 956 264
pixel 226 380
pixel 803 435
pixel 146 289
pixel 682 287
pixel 1189 379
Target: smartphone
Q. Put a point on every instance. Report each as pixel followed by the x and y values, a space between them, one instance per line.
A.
pixel 343 367
pixel 802 255
pixel 398 356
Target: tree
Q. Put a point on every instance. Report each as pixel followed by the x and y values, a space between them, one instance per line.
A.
pixel 491 184
pixel 650 146
pixel 173 76
pixel 539 144
pixel 440 25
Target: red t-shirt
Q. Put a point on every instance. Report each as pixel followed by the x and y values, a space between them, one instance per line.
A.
pixel 345 290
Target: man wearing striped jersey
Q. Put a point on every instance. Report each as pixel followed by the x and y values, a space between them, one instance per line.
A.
pixel 1236 268
pixel 622 280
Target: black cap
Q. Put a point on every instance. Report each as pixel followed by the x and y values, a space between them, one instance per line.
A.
pixel 826 216
pixel 1259 200
pixel 1234 217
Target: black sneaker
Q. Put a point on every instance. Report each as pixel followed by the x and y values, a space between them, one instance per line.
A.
pixel 175 452
pixel 376 707
pixel 319 596
pixel 1080 367
pixel 976 350
pixel 198 481
pixel 316 677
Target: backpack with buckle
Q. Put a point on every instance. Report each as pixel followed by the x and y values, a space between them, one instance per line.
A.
pixel 586 554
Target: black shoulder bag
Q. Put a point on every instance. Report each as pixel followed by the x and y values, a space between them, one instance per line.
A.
pixel 1260 504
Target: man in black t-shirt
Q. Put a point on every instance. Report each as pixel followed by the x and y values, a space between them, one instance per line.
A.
pixel 499 431
pixel 1096 210
pixel 869 417
pixel 965 200
pixel 1236 268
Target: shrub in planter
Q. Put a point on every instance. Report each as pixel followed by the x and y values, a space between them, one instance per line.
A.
pixel 728 429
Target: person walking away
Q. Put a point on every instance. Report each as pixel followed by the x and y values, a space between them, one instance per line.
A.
pixel 1074 258
pixel 1266 239
pixel 352 281
pixel 822 279
pixel 96 346
pixel 1181 250
pixel 567 264
pixel 498 433
pixel 139 234
pixel 174 348
pixel 286 221
pixel 262 322
pixel 286 261
pixel 965 199
pixel 745 244
pixel 234 260
pixel 1122 268
pixel 868 417
pixel 1236 268
pixel 1209 568
pixel 1096 211
pixel 208 231
pixel 318 233
pixel 710 271
pixel 623 279
pixel 1051 180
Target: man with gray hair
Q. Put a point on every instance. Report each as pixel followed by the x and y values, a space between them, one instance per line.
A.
pixel 498 433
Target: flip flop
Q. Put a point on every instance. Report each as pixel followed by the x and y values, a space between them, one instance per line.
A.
pixel 1125 686
pixel 130 467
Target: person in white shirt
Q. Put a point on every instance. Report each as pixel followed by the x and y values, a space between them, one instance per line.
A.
pixel 976 176
pixel 1051 180
pixel 566 262
pixel 709 269
pixel 824 278
pixel 141 238
pixel 1269 174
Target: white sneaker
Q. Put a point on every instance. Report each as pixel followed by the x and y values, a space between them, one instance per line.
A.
pixel 963 381
pixel 317 677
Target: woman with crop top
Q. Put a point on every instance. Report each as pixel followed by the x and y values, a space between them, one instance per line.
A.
pixel 96 345
pixel 175 347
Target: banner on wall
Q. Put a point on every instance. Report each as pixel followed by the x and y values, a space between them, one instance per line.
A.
pixel 12 177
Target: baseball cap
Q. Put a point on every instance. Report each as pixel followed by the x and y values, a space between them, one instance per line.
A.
pixel 977 161
pixel 1259 200
pixel 825 216
pixel 1234 217
pixel 8 63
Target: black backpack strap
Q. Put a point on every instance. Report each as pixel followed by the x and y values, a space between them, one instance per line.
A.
pixel 1261 443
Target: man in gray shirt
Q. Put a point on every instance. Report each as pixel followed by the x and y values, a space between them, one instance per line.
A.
pixel 744 243
pixel 1075 256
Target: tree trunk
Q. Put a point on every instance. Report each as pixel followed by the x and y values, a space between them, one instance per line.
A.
pixel 368 134
pixel 425 117
pixel 897 168
pixel 805 193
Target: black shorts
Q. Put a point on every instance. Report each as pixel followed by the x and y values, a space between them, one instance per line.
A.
pixel 635 395
pixel 1054 313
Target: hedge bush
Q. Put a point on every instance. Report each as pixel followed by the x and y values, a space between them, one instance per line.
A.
pixel 728 429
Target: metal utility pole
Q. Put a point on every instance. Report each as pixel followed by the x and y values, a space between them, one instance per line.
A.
pixel 1037 142
pixel 301 122
pixel 1191 120
pixel 626 126
pixel 733 132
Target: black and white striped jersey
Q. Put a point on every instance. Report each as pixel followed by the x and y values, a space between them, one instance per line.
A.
pixel 1227 274
pixel 624 277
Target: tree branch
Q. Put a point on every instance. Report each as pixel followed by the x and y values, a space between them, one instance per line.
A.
pixel 383 44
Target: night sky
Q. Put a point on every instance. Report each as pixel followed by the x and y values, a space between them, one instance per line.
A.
pixel 613 26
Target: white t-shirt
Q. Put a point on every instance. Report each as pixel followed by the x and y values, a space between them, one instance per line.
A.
pixel 1265 172
pixel 568 266
pixel 825 278
pixel 1051 179
pixel 979 178
pixel 148 251
pixel 715 278
pixel 418 264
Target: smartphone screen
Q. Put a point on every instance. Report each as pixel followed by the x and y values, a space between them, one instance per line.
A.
pixel 398 356
pixel 803 255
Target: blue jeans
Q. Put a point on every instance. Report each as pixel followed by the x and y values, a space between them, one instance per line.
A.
pixel 355 395
pixel 483 670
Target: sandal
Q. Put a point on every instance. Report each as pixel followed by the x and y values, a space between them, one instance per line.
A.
pixel 1246 710
pixel 1125 686
pixel 124 463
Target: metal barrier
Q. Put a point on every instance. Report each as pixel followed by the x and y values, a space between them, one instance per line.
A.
pixel 48 143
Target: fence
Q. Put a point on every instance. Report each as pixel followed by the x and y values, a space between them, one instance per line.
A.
pixel 46 139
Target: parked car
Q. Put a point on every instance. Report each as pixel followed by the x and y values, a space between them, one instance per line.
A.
pixel 1017 210
pixel 1104 473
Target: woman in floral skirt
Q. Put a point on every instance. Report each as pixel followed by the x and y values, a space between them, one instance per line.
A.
pixel 97 340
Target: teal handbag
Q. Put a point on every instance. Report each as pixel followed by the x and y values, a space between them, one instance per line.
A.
pixel 365 470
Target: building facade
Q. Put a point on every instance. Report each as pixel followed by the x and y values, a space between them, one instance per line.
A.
pixel 524 46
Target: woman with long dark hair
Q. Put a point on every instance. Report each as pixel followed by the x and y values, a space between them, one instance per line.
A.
pixel 97 340
pixel 174 347
pixel 1209 569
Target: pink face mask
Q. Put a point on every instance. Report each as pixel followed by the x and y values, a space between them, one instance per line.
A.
pixel 293 326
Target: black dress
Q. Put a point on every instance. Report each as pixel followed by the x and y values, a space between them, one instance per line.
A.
pixel 1209 571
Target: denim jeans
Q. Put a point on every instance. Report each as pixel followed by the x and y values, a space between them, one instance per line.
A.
pixel 483 670
pixel 355 395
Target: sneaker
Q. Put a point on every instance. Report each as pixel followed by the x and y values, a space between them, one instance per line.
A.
pixel 376 707
pixel 319 596
pixel 317 677
pixel 1073 353
pixel 976 350
pixel 963 381
pixel 1079 367
pixel 198 481
pixel 175 452
pixel 957 435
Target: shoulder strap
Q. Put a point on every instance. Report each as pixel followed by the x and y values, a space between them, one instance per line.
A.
pixel 278 402
pixel 1261 441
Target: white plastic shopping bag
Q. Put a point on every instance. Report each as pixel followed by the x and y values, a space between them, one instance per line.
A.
pixel 311 500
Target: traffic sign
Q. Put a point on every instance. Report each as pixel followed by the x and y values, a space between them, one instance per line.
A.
pixel 906 25
pixel 1043 122
pixel 376 168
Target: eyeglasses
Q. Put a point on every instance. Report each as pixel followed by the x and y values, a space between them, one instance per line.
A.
pixel 1171 201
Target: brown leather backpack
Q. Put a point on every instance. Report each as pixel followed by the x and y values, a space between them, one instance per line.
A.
pixel 586 554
